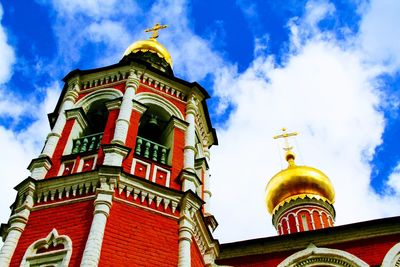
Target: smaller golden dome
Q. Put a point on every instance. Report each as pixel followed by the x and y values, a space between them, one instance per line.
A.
pixel 150 45
pixel 297 181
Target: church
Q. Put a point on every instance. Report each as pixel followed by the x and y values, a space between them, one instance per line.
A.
pixel 123 180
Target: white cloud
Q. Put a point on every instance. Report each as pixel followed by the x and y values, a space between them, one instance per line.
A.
pixel 327 92
pixel 95 8
pixel 394 180
pixel 380 31
pixel 6 53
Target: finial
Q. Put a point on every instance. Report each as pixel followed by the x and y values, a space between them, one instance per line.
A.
pixel 289 153
pixel 155 30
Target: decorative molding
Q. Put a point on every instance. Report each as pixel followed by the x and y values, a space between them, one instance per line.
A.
pixel 82 160
pixel 61 188
pixel 191 177
pixel 322 256
pixel 143 190
pixel 301 208
pixel 39 167
pixel 106 94
pixel 305 200
pixel 57 257
pixel 162 87
pixel 114 104
pixel 204 240
pixel 148 168
pixel 114 154
pixel 168 173
pixel 100 80
pixel 139 107
pixel 392 258
pixel 152 98
pixel 79 115
pixel 175 122
pixel 62 167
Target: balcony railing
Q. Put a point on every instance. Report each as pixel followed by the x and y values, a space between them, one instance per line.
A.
pixel 151 150
pixel 87 143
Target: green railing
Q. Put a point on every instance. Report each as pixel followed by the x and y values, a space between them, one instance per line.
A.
pixel 87 143
pixel 151 150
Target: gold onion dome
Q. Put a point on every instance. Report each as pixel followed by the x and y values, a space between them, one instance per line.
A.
pixel 297 182
pixel 150 45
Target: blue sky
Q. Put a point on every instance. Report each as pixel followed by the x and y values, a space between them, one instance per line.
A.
pixel 328 69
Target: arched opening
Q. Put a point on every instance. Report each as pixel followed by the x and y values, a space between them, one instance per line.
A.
pixel 90 138
pixel 314 256
pixel 154 136
pixel 97 115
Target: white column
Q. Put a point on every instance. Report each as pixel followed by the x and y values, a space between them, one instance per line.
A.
pixel 17 225
pixel 190 142
pixel 102 206
pixel 185 239
pixel 207 192
pixel 124 116
pixel 54 136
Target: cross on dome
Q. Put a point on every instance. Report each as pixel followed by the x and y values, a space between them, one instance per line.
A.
pixel 155 30
pixel 289 153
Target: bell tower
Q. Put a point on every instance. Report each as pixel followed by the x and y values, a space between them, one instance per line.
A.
pixel 123 178
pixel 299 198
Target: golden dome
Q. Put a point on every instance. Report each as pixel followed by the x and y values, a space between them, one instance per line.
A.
pixel 150 45
pixel 297 182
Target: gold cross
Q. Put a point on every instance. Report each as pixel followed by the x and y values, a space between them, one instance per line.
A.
pixel 155 30
pixel 286 136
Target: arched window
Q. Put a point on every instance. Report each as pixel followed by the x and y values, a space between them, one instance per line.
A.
pixel 54 250
pixel 90 138
pixel 154 136
pixel 313 256
pixel 392 258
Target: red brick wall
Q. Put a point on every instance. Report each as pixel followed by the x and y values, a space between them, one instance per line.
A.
pixel 139 237
pixel 372 251
pixel 131 140
pixel 56 159
pixel 73 220
pixel 108 133
pixel 196 258
pixel 177 158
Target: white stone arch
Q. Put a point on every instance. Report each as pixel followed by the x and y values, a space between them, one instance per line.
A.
pixel 59 257
pixel 392 258
pixel 85 103
pixel 314 256
pixel 105 94
pixel 151 98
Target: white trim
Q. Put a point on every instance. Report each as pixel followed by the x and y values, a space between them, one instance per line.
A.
pixel 62 168
pixel 80 166
pixel 313 256
pixel 106 93
pixel 392 258
pixel 154 178
pixel 61 257
pixel 41 206
pixel 117 199
pixel 75 133
pixel 144 163
pixel 151 98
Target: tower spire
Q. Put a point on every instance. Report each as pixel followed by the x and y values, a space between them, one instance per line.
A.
pixel 290 156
